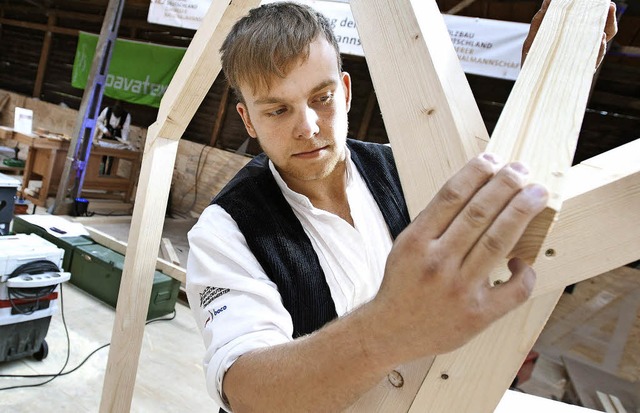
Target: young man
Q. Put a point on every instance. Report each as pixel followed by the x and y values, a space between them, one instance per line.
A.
pixel 114 123
pixel 306 285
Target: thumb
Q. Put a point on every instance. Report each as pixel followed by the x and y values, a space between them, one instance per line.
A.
pixel 510 294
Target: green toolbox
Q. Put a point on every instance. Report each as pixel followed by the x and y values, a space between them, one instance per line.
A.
pixel 68 244
pixel 98 270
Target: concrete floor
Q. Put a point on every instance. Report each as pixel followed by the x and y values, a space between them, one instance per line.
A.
pixel 170 376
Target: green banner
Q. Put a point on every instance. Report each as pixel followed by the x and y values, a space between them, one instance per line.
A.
pixel 138 72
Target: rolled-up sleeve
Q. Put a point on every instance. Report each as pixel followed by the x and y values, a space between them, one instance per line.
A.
pixel 236 306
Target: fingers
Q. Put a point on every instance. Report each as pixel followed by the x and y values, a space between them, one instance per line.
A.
pixel 611 26
pixel 505 231
pixel 478 214
pixel 455 194
pixel 603 49
pixel 610 30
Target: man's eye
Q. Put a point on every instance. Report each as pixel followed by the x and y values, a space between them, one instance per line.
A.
pixel 325 99
pixel 276 112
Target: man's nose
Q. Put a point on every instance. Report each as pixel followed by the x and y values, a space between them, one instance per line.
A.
pixel 308 123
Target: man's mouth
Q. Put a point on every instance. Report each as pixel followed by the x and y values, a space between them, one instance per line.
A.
pixel 310 153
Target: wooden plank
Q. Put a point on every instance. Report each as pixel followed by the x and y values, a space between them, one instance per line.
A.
pixel 605 402
pixel 555 81
pixel 168 252
pixel 593 234
pixel 192 80
pixel 602 197
pixel 137 275
pixel 430 115
pixel 538 126
pixel 617 404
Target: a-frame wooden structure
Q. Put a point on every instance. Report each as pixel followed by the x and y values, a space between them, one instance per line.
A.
pixel 434 127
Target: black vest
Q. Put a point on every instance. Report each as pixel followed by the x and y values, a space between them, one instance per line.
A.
pixel 117 130
pixel 278 241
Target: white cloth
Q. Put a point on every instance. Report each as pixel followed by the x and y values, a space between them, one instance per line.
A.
pixel 238 308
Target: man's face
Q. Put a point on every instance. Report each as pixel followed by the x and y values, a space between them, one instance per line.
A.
pixel 301 120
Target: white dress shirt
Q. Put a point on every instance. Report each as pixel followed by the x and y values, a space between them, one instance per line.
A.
pixel 236 305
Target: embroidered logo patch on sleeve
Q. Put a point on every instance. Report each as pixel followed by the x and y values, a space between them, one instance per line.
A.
pixel 211 293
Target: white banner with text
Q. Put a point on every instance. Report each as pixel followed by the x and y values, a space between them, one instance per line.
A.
pixel 485 47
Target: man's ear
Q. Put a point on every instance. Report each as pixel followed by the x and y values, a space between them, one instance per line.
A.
pixel 346 83
pixel 244 114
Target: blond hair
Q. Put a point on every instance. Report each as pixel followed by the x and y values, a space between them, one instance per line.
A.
pixel 267 41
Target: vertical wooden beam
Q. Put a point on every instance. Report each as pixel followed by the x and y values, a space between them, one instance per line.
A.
pixel 44 56
pixel 194 77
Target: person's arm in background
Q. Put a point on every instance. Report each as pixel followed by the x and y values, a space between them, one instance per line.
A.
pixel 435 296
pixel 101 123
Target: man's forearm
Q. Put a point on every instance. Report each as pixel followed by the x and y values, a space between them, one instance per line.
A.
pixel 326 371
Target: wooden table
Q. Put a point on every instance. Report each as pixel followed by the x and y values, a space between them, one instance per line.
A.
pixel 46 159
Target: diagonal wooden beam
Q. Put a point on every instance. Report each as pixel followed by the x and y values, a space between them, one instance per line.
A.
pixel 387 47
pixel 431 118
pixel 199 67
pixel 194 77
pixel 543 116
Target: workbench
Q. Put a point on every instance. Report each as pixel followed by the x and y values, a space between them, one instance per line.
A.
pixel 46 159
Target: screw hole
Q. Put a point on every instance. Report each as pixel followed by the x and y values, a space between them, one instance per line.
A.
pixel 550 252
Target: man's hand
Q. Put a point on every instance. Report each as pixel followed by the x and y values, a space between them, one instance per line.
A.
pixel 610 30
pixel 436 293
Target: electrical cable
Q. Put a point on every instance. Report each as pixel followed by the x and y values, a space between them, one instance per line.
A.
pixel 31 294
pixel 62 372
